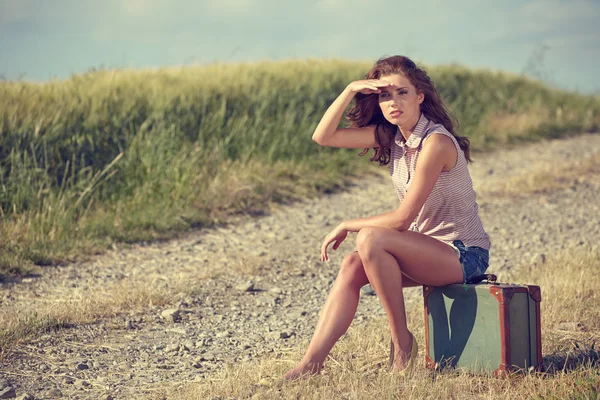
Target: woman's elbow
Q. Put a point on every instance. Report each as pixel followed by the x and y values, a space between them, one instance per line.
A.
pixel 318 140
pixel 400 227
pixel 402 223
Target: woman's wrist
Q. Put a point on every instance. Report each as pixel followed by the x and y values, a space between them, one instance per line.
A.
pixel 349 89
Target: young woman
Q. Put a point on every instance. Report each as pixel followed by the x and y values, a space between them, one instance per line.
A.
pixel 435 237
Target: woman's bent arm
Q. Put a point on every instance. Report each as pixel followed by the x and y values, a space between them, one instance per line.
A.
pixel 327 132
pixel 438 153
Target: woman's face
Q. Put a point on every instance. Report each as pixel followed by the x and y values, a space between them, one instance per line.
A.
pixel 400 102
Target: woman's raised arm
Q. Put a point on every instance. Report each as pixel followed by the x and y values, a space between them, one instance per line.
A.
pixel 327 132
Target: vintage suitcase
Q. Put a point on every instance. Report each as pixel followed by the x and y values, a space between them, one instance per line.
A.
pixel 489 328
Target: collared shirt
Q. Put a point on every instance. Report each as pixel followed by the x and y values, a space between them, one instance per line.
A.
pixel 450 211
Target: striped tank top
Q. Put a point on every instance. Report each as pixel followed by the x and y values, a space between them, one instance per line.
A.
pixel 451 211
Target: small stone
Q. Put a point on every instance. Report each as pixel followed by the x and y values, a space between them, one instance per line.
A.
pixel 276 290
pixel 223 334
pixel 265 382
pixel 26 396
pixel 180 331
pixel 245 286
pixel 69 380
pixel 182 348
pixel 171 314
pixel 172 348
pixel 188 345
pixel 570 326
pixel 55 393
pixel 82 366
pixel 255 337
pixel 8 393
pixel 264 300
pixel 368 290
pixel 109 397
pixel 296 314
pixel 278 335
pixel 80 383
pixel 3 384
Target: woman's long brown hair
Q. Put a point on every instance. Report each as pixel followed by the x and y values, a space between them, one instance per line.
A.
pixel 366 110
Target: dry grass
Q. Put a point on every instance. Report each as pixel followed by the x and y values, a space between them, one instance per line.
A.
pixel 254 187
pixel 83 306
pixel 506 126
pixel 546 176
pixel 357 367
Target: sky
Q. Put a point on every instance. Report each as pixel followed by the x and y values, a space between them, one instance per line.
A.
pixel 553 40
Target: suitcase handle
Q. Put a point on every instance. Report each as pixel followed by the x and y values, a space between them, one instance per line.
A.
pixel 490 278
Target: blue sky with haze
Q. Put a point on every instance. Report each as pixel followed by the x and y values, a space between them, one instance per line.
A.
pixel 41 39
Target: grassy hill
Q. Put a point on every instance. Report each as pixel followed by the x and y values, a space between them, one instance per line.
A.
pixel 137 155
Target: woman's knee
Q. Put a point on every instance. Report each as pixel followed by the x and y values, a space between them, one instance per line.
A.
pixel 352 270
pixel 368 240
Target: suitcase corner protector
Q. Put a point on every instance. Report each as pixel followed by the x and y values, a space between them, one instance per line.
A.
pixel 535 293
pixel 429 363
pixel 427 291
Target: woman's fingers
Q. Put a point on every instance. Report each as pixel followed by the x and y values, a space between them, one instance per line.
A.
pixel 371 89
pixel 381 83
pixel 374 85
pixel 324 250
pixel 324 256
pixel 369 86
pixel 326 243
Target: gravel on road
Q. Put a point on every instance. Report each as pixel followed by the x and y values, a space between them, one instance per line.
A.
pixel 258 282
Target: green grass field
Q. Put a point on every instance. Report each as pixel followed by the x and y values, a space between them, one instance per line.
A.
pixel 137 155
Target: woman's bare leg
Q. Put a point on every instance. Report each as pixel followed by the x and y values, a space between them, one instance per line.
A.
pixel 336 315
pixel 389 257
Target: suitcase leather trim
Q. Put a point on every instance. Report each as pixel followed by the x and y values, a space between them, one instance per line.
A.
pixel 429 363
pixel 536 294
pixel 503 296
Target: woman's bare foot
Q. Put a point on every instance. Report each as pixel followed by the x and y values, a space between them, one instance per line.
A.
pixel 303 371
pixel 402 355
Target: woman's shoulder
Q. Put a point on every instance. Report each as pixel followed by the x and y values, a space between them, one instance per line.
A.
pixel 442 134
pixel 439 144
pixel 437 128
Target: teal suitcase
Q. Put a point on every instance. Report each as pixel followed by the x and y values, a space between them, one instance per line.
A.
pixel 490 328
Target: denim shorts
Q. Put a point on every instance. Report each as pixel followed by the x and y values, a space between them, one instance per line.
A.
pixel 474 259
